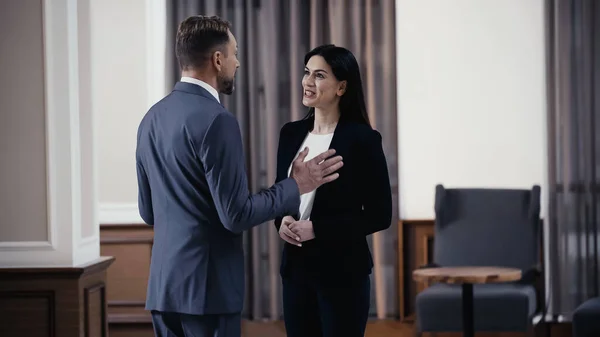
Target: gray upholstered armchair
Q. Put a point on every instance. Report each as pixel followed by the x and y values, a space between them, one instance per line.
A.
pixel 485 227
pixel 586 319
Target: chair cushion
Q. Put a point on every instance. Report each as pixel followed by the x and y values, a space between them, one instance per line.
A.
pixel 497 307
pixel 586 319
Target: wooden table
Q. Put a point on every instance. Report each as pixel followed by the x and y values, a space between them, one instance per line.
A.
pixel 467 276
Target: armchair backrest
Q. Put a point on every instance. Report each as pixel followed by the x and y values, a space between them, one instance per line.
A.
pixel 487 227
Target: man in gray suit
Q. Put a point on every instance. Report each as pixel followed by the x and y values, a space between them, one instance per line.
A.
pixel 193 189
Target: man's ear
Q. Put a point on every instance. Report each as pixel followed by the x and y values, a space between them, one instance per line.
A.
pixel 217 59
pixel 342 88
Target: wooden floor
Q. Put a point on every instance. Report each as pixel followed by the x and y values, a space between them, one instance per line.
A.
pixel 381 328
pixel 374 329
pixel 271 329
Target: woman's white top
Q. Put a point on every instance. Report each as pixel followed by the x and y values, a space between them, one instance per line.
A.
pixel 316 144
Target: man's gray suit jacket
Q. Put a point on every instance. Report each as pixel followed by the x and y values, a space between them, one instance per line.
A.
pixel 193 189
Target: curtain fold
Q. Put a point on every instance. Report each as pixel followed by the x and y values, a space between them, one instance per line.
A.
pixel 573 28
pixel 273 37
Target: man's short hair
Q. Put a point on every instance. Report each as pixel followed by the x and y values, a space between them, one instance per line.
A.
pixel 198 37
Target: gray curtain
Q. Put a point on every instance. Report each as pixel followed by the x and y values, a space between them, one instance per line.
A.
pixel 574 151
pixel 273 36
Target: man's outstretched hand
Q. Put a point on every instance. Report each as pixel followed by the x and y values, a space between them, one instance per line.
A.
pixel 317 171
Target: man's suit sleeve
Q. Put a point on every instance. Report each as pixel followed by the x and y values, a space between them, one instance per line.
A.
pixel 222 155
pixel 144 195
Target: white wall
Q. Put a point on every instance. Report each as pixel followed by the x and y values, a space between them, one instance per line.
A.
pixel 127 41
pixel 48 199
pixel 471 97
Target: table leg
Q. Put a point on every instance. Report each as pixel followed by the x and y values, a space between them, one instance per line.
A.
pixel 467 310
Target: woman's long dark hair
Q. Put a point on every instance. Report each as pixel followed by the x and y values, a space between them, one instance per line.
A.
pixel 345 68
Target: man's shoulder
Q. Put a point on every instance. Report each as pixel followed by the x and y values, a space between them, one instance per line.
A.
pixel 196 110
pixel 192 103
pixel 181 112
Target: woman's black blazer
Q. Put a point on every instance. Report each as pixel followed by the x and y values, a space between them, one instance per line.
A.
pixel 344 211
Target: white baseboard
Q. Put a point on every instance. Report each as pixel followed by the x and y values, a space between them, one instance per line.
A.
pixel 25 246
pixel 113 213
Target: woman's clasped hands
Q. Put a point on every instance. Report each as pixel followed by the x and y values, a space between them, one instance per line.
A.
pixel 295 232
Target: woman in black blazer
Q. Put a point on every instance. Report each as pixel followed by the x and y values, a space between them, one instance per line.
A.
pixel 326 262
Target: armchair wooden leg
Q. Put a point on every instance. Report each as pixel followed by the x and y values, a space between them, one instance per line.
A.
pixel 534 330
pixel 530 332
pixel 416 330
pixel 546 329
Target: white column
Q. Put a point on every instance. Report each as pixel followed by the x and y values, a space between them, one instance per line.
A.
pixel 73 231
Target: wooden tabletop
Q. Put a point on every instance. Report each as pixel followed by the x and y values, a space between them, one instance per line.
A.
pixel 459 275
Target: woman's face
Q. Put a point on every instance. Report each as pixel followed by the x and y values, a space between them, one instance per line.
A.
pixel 321 88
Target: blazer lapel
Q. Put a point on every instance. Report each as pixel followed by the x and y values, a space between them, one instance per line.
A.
pixel 299 134
pixel 338 143
pixel 338 137
pixel 295 141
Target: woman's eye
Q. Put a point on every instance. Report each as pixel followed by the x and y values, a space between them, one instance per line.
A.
pixel 320 75
pixel 306 72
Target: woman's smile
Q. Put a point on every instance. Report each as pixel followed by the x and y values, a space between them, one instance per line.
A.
pixel 309 93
